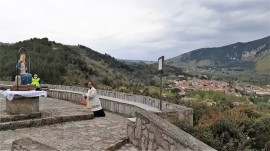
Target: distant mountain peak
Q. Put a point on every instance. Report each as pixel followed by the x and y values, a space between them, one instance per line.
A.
pixel 246 56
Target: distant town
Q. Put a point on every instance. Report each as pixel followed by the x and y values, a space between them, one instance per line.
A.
pixel 195 84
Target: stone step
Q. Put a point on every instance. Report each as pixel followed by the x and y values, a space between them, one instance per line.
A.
pixel 9 118
pixel 43 121
pixel 28 144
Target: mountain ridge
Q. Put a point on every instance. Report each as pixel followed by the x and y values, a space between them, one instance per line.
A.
pixel 237 55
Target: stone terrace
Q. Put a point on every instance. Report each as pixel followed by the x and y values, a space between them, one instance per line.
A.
pixel 107 133
pixel 96 134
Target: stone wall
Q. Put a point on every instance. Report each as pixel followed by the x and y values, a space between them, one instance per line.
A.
pixel 151 132
pixel 148 131
pixel 65 87
pixel 124 96
pixel 110 104
pixel 127 108
pixel 67 95
pixel 171 112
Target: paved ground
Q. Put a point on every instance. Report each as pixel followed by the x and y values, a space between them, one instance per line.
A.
pixel 128 147
pixel 51 106
pixel 96 134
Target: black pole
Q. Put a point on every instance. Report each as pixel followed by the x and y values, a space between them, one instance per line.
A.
pixel 160 69
pixel 29 62
pixel 17 71
pixel 160 104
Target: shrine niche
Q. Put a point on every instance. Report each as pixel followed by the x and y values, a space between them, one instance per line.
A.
pixel 23 77
pixel 22 97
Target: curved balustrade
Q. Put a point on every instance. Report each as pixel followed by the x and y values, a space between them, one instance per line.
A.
pixel 172 112
pixel 148 131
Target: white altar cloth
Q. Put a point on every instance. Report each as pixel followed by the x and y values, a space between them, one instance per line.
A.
pixel 10 94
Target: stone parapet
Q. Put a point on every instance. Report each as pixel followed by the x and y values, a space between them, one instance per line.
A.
pixel 73 96
pixel 123 107
pixel 182 115
pixel 172 112
pixel 151 132
pixel 120 95
pixel 124 96
pixel 64 87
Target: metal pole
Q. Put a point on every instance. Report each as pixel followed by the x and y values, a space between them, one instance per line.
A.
pixel 29 62
pixel 160 102
pixel 160 69
pixel 17 71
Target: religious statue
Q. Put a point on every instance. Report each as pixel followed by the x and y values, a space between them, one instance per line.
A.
pixel 26 78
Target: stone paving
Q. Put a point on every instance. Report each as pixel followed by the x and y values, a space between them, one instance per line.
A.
pixel 96 134
pixel 51 107
pixel 127 147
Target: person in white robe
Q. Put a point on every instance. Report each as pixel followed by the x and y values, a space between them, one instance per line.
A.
pixel 93 99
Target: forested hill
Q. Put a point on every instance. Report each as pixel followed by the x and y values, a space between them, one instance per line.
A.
pixel 74 65
pixel 253 55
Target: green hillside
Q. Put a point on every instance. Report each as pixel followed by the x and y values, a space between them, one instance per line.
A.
pixel 248 62
pixel 263 64
pixel 74 65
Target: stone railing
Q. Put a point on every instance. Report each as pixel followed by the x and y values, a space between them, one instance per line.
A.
pixel 72 96
pixel 65 87
pixel 151 132
pixel 171 112
pixel 124 96
pixel 123 107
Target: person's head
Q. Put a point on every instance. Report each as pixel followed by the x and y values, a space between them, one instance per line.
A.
pixel 90 84
pixel 35 76
pixel 23 58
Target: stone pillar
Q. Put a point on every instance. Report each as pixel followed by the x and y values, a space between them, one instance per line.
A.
pixel 22 105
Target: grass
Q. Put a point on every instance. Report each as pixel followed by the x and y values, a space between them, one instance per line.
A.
pixel 263 65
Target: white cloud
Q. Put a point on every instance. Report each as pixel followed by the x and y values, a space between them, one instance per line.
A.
pixel 136 29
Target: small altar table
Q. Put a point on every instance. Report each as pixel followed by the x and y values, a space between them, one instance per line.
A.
pixel 22 102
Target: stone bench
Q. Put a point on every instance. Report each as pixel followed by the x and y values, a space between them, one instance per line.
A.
pixel 28 144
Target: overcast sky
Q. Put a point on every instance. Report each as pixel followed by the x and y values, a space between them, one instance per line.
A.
pixel 136 29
